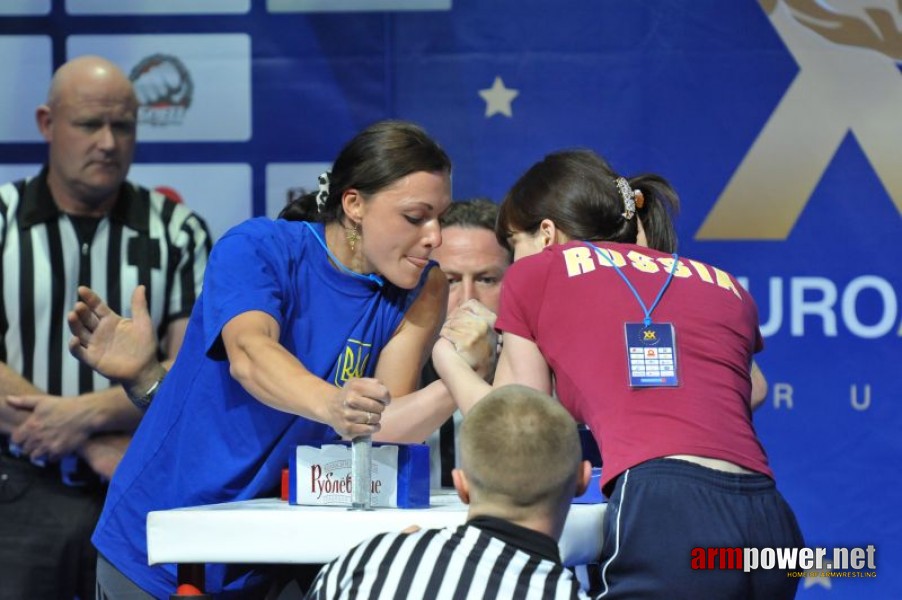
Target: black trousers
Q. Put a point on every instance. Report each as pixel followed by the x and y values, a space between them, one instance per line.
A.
pixel 45 533
pixel 661 509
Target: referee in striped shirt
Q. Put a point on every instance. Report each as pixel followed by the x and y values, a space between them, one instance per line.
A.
pixel 78 222
pixel 521 466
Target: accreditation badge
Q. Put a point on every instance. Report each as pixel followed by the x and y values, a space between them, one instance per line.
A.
pixel 651 354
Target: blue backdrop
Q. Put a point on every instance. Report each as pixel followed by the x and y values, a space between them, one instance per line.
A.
pixel 779 122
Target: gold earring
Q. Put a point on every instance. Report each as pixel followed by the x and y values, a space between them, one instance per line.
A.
pixel 353 235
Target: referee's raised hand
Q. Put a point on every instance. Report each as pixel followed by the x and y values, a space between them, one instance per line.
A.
pixel 118 348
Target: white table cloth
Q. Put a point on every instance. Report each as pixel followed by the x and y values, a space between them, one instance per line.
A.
pixel 271 531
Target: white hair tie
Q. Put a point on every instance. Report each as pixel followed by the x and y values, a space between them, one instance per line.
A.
pixel 322 196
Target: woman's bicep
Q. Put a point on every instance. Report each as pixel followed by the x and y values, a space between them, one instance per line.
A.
pixel 274 376
pixel 242 332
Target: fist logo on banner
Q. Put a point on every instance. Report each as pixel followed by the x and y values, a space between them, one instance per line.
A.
pixel 190 87
pixel 848 81
pixel 164 89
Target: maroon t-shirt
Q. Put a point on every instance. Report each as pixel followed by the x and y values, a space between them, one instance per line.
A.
pixel 573 304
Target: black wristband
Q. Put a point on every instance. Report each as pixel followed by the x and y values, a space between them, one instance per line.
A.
pixel 143 401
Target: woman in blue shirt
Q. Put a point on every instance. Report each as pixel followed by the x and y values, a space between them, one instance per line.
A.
pixel 306 330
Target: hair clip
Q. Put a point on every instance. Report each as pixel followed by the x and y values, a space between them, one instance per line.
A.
pixel 629 198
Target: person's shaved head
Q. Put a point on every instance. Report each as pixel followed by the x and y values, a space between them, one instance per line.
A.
pixel 89 122
pixel 83 75
pixel 520 448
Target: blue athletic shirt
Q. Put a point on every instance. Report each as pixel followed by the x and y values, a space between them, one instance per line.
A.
pixel 204 439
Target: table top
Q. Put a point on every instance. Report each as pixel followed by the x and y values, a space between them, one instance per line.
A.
pixel 272 531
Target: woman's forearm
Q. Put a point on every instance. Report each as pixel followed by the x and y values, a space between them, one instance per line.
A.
pixel 412 418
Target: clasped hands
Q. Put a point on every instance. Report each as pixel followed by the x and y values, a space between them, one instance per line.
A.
pixel 469 335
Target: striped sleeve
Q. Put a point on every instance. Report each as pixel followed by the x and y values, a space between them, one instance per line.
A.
pixel 188 243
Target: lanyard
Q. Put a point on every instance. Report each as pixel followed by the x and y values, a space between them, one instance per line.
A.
pixel 371 277
pixel 647 311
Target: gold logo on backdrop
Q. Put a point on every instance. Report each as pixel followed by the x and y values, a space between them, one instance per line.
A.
pixel 352 363
pixel 848 81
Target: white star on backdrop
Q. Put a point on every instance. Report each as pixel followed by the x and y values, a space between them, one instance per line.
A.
pixel 813 578
pixel 498 99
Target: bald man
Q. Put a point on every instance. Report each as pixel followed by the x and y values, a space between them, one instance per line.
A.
pixel 78 222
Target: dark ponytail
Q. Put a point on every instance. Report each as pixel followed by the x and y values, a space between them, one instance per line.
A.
pixel 659 209
pixel 301 206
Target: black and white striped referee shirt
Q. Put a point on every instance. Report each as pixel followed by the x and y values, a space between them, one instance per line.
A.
pixel 146 239
pixel 487 558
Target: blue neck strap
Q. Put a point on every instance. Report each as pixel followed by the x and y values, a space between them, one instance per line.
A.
pixel 372 277
pixel 647 311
